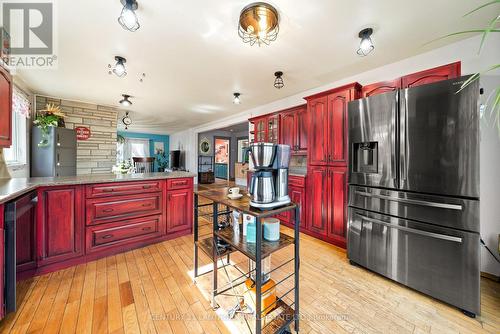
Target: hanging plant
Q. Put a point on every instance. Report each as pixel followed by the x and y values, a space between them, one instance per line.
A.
pixel 51 116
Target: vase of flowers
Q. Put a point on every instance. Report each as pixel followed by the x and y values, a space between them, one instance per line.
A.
pixel 124 167
pixel 50 117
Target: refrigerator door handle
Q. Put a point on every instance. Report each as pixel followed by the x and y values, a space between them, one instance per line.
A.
pixel 412 230
pixel 457 207
pixel 403 129
pixel 393 129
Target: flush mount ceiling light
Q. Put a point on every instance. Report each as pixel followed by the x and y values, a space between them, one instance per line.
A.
pixel 259 23
pixel 236 98
pixel 128 18
pixel 278 82
pixel 119 69
pixel 366 44
pixel 125 101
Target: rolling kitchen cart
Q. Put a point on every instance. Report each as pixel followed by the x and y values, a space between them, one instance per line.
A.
pixel 253 251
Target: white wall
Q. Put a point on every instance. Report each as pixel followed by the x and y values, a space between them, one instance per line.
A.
pixel 466 52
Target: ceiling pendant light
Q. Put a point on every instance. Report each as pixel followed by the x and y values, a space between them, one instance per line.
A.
pixel 278 82
pixel 125 101
pixel 259 23
pixel 366 44
pixel 128 18
pixel 236 98
pixel 119 69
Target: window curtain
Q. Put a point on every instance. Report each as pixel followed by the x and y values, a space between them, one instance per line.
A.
pixel 135 147
pixel 20 103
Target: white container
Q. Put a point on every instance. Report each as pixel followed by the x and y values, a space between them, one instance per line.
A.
pixel 271 229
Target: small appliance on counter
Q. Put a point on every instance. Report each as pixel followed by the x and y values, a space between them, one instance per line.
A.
pixel 268 187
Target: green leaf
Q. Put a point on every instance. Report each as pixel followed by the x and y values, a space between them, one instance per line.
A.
pixel 482 6
pixel 487 31
pixel 462 33
pixel 476 76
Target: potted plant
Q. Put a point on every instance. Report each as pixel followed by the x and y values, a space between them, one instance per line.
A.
pixel 162 160
pixel 51 116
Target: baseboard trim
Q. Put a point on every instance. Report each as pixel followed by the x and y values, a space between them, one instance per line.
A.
pixel 490 276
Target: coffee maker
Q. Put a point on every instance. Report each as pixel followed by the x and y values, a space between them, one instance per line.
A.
pixel 268 187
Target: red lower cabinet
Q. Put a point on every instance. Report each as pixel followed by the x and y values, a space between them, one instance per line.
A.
pixel 60 224
pixel 25 233
pixel 179 210
pixel 327 203
pixel 298 196
pixel 2 263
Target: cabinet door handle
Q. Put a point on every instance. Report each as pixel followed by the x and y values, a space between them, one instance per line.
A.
pixel 108 210
pixel 147 186
pixel 146 204
pixel 146 228
pixel 179 183
pixel 107 236
pixel 108 190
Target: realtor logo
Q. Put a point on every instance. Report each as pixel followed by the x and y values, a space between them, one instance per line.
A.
pixel 29 26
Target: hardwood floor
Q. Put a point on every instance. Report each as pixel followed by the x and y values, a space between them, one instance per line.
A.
pixel 150 290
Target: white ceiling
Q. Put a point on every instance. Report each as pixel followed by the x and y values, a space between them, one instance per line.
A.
pixel 194 59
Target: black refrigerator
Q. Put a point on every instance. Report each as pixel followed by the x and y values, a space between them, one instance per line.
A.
pixel 413 211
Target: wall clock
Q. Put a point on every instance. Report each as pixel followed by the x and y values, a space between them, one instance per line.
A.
pixel 126 120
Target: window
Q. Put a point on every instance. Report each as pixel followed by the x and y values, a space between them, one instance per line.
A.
pixel 17 153
pixel 132 147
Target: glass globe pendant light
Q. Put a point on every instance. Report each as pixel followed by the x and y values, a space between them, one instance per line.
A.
pixel 125 101
pixel 119 70
pixel 258 23
pixel 128 18
pixel 278 82
pixel 236 98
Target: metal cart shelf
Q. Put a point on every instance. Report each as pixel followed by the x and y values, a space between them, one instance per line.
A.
pixel 281 313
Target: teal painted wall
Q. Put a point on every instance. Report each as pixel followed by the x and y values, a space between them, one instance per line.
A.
pixel 152 139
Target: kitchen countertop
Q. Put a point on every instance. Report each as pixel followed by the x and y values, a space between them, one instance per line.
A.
pixel 297 171
pixel 15 187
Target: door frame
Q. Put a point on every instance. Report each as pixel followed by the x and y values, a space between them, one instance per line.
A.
pixel 228 155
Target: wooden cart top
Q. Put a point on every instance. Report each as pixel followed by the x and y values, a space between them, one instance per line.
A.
pixel 243 204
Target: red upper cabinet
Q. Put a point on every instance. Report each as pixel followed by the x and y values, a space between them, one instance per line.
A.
pixel 266 128
pixel 60 223
pixel 5 108
pixel 318 131
pixel 380 87
pixel 328 125
pixel 440 73
pixel 293 129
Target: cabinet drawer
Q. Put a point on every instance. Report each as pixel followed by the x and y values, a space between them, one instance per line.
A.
pixel 122 188
pixel 123 232
pixel 183 183
pixel 297 181
pixel 107 209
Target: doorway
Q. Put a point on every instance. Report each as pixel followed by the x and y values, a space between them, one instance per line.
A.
pixel 222 157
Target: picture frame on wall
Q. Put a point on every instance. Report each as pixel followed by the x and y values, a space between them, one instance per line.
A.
pixel 205 146
pixel 159 147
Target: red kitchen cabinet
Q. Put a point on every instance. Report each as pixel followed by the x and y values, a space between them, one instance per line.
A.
pixel 5 108
pixel 380 87
pixel 318 131
pixel 436 74
pixel 179 210
pixel 327 203
pixel 60 224
pixel 328 125
pixel 337 205
pixel 2 264
pixel 293 129
pixel 337 127
pixel 25 233
pixel 266 128
pixel 317 200
pixel 298 196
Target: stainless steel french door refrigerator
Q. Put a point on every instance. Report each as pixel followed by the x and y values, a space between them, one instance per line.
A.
pixel 414 189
